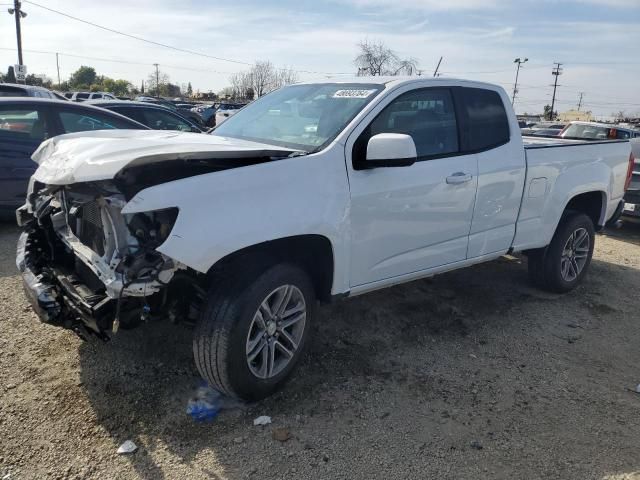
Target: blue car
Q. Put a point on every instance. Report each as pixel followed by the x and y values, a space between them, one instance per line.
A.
pixel 25 122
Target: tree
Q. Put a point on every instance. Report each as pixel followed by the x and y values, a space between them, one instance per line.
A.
pixel 226 92
pixel 10 77
pixel 38 80
pixel 619 116
pixel 189 90
pixel 117 87
pixel 261 79
pixel 375 58
pixel 547 113
pixel 157 84
pixel 83 78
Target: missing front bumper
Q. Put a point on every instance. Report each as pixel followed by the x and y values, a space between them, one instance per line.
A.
pixel 59 297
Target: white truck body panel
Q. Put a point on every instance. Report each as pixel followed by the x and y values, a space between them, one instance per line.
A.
pixel 385 225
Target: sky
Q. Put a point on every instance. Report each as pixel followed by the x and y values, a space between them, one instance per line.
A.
pixel 598 42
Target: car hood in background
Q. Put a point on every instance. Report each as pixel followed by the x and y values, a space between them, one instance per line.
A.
pixel 100 155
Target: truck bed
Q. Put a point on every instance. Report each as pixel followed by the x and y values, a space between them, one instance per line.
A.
pixel 534 141
pixel 558 169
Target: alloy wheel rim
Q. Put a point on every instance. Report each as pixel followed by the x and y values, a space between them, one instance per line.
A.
pixel 575 254
pixel 276 331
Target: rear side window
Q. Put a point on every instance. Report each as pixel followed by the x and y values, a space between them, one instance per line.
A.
pixel 79 121
pixel 7 91
pixel 131 112
pixel 18 123
pixel 487 124
pixel 82 96
pixel 160 120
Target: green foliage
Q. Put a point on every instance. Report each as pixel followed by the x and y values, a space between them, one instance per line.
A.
pixel 10 76
pixel 83 78
pixel 86 78
pixel 548 114
pixel 39 80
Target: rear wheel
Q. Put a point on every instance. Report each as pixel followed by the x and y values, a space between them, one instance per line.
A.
pixel 562 265
pixel 253 331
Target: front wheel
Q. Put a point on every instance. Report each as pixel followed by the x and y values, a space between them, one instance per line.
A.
pixel 564 263
pixel 253 331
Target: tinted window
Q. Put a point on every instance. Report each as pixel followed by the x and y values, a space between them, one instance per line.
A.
pixel 487 124
pixel 131 112
pixel 160 120
pixel 7 91
pixel 78 121
pixel 428 115
pixel 22 123
pixel 82 96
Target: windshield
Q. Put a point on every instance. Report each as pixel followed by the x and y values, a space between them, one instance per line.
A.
pixel 302 117
pixel 594 132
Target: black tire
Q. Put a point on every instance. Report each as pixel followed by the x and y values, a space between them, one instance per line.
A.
pixel 220 337
pixel 545 264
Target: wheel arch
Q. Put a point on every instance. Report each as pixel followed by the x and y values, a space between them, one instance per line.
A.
pixel 312 252
pixel 592 203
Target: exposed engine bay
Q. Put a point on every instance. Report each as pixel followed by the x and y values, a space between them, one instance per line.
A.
pixel 96 269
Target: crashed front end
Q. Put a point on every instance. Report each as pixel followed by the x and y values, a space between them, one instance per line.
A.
pixel 87 266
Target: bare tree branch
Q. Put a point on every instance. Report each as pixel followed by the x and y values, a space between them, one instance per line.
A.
pixel 375 58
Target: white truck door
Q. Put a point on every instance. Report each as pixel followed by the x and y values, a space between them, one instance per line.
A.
pixel 495 137
pixel 413 218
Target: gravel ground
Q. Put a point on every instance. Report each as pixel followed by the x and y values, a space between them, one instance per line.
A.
pixel 472 374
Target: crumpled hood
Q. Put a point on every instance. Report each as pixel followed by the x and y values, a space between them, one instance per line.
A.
pixel 100 155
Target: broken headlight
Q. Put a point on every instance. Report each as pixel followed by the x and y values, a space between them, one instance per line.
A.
pixel 151 229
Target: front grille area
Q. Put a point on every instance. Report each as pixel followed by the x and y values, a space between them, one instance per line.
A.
pixel 90 231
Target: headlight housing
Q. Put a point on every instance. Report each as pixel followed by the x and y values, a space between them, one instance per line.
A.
pixel 152 228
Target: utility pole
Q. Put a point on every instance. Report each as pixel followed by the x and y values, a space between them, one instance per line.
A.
pixel 58 67
pixel 515 85
pixel 580 101
pixel 556 72
pixel 157 80
pixel 18 14
pixel 435 74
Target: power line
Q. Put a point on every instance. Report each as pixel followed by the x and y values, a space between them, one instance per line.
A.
pixel 164 45
pixel 115 60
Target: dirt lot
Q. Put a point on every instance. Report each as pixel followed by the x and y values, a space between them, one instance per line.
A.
pixel 473 374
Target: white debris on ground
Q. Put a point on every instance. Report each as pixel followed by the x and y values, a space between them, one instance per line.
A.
pixel 262 420
pixel 127 447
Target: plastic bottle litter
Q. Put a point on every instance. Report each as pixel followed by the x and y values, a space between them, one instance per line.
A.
pixel 205 405
pixel 262 420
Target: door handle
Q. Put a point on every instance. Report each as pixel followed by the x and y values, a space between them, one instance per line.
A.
pixel 458 178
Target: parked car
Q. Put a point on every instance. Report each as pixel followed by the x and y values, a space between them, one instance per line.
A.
pixel 153 116
pixel 185 112
pixel 84 96
pixel 207 113
pixel 544 129
pixel 632 195
pixel 19 90
pixel 598 131
pixel 226 110
pixel 25 123
pixel 315 191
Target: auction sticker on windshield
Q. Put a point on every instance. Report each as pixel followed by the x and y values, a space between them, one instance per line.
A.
pixel 353 93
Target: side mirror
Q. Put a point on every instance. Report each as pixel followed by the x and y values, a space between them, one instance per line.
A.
pixel 391 150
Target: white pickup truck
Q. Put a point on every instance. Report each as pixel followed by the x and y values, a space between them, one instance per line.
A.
pixel 313 192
